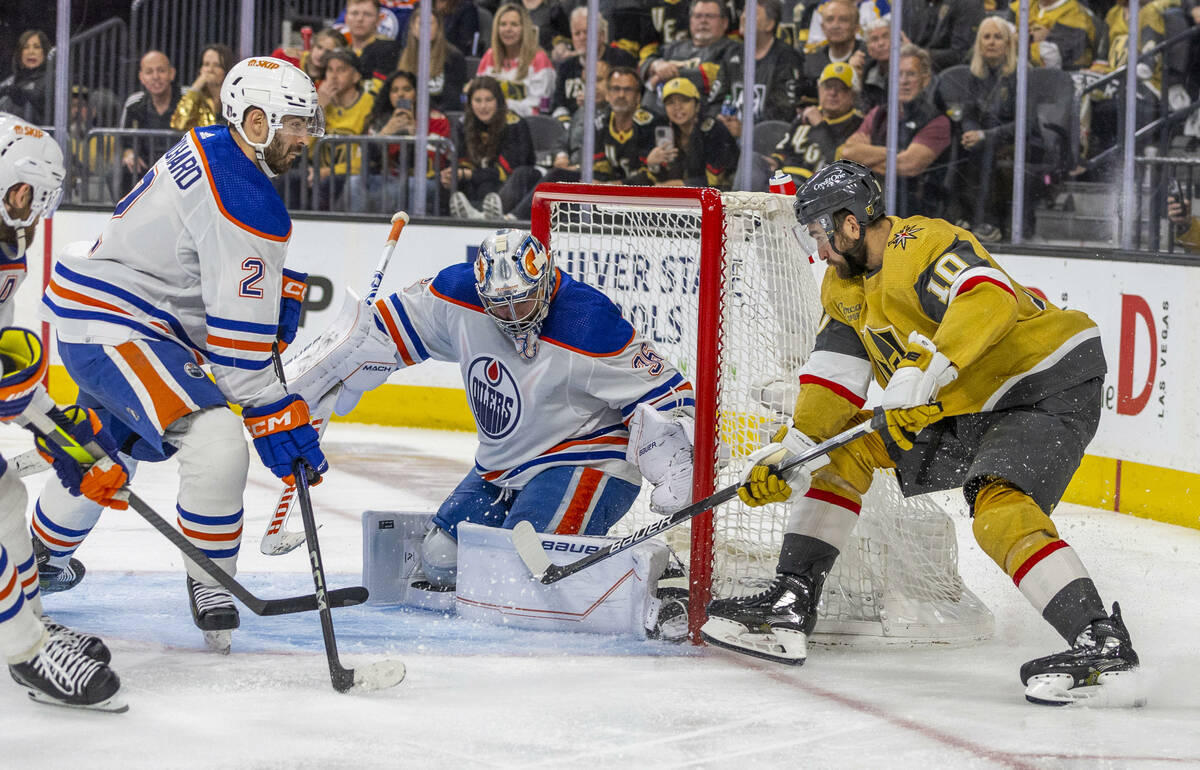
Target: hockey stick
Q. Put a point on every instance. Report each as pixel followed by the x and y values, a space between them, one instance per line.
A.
pixel 277 539
pixel 44 418
pixel 373 676
pixel 529 544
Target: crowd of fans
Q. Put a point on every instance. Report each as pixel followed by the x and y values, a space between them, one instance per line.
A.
pixel 506 86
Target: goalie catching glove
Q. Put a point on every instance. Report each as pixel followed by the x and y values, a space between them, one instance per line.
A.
pixel 661 447
pixel 762 484
pixel 909 398
pixel 282 433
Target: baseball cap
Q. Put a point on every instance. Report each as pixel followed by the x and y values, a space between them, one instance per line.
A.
pixel 680 86
pixel 840 70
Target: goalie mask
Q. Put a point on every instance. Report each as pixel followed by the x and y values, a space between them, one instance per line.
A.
pixel 28 156
pixel 280 90
pixel 514 277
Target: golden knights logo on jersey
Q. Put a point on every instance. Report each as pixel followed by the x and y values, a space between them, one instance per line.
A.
pixel 885 348
pixel 495 399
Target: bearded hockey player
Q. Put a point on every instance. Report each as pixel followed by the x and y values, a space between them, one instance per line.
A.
pixel 986 386
pixel 54 663
pixel 572 405
pixel 189 270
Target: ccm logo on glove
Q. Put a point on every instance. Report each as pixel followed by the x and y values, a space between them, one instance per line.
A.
pixel 296 413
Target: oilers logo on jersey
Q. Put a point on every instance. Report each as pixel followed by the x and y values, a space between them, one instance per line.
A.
pixel 495 398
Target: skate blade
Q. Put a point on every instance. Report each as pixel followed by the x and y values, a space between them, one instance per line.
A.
pixel 779 645
pixel 1114 689
pixel 113 705
pixel 379 675
pixel 219 641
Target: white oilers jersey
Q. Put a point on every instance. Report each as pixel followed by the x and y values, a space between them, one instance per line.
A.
pixel 570 405
pixel 12 275
pixel 193 254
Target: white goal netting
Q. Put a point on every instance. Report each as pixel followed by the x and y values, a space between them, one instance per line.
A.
pixel 722 288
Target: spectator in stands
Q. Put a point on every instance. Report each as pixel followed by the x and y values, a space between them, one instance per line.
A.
pixel 517 61
pixel 568 77
pixel 200 104
pixel 312 61
pixel 873 75
pixel 152 108
pixel 625 132
pixel 809 20
pixel 549 17
pixel 777 73
pixel 1107 106
pixel 839 22
pixel 447 65
pixel 699 152
pixel 24 93
pixel 460 21
pixel 1187 227
pixel 377 55
pixel 924 138
pixel 1061 34
pixel 704 58
pixel 988 126
pixel 347 105
pixel 813 139
pixel 670 22
pixel 395 115
pixel 944 28
pixel 495 155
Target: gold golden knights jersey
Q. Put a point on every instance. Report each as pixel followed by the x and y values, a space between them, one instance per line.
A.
pixel 1011 346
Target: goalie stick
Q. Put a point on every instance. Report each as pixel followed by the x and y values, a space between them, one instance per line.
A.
pixel 44 418
pixel 373 676
pixel 277 539
pixel 529 545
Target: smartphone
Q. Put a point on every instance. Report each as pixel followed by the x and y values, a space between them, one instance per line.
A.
pixel 404 104
pixel 664 136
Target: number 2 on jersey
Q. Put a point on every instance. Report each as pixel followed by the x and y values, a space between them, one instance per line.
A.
pixel 249 287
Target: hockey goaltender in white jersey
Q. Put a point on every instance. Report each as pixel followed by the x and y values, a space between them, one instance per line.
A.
pixel 572 405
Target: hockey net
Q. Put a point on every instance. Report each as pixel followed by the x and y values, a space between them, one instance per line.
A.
pixel 722 288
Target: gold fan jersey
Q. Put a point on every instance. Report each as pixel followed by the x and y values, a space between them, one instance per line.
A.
pixel 1011 346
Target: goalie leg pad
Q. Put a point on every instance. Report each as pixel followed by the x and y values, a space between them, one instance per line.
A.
pixel 355 352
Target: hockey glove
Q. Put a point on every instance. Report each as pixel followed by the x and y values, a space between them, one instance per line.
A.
pixel 282 433
pixel 24 364
pixel 291 304
pixel 762 484
pixel 660 446
pixel 81 474
pixel 909 396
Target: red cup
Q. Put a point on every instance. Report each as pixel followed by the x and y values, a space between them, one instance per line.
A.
pixel 783 184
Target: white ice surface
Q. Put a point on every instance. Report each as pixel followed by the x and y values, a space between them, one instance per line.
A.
pixel 485 697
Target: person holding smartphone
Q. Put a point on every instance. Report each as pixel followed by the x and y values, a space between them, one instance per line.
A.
pixel 1179 212
pixel 395 115
pixel 692 151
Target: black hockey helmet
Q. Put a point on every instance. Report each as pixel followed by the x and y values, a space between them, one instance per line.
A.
pixel 842 184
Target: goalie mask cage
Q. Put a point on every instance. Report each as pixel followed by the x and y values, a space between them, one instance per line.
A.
pixel 720 286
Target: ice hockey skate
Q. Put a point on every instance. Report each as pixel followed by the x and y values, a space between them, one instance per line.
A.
pixel 1099 669
pixel 91 646
pixel 53 579
pixel 773 625
pixel 62 675
pixel 215 614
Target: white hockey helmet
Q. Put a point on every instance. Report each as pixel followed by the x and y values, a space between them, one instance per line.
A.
pixel 279 89
pixel 28 155
pixel 514 276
